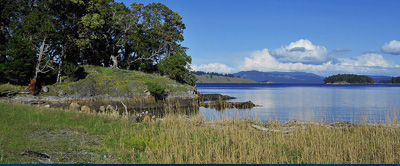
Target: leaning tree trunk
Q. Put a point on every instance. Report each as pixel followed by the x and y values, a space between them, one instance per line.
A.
pixel 37 68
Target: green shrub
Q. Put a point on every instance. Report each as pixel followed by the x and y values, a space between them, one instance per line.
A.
pixel 177 68
pixel 73 71
pixel 137 143
pixel 156 90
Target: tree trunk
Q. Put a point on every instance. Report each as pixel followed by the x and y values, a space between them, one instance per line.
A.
pixel 37 69
pixel 60 64
pixel 114 60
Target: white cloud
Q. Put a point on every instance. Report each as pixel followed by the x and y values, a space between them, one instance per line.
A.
pixel 213 67
pixel 366 60
pixel 301 51
pixel 302 55
pixel 264 61
pixel 393 47
pixel 369 63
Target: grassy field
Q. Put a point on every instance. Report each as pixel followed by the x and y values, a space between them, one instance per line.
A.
pixel 108 81
pixel 116 82
pixel 11 87
pixel 29 134
pixel 221 79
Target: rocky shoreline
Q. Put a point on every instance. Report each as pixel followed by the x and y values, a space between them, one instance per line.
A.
pixel 122 105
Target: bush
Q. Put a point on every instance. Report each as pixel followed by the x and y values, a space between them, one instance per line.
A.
pixel 73 71
pixel 176 68
pixel 137 143
pixel 156 90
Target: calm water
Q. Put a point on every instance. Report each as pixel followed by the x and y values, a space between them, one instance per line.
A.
pixel 318 102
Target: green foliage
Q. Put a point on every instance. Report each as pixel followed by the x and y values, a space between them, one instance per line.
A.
pixel 73 71
pixel 349 78
pixel 137 143
pixel 89 32
pixel 158 91
pixel 176 67
pixel 6 87
pixel 19 64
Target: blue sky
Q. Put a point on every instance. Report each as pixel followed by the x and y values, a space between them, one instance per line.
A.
pixel 318 36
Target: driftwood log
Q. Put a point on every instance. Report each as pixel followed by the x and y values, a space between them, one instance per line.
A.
pixel 11 93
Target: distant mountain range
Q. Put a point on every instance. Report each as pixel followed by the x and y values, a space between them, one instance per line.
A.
pixel 281 77
pixel 378 79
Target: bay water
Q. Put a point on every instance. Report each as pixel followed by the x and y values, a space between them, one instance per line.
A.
pixel 372 103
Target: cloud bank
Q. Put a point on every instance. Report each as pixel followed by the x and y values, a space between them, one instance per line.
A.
pixel 393 47
pixel 302 55
pixel 302 51
pixel 213 67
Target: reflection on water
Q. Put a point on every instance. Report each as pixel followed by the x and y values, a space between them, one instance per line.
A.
pixel 308 102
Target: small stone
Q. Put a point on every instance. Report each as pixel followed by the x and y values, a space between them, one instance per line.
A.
pixel 47 106
pixel 109 108
pixel 85 109
pixel 102 109
pixel 74 106
pixel 45 89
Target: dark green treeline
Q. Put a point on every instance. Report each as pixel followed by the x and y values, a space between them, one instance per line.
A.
pixel 49 39
pixel 349 78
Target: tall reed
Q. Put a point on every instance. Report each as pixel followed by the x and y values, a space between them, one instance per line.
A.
pixel 179 139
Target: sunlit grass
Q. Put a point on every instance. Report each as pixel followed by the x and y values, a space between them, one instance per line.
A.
pixel 8 86
pixel 177 138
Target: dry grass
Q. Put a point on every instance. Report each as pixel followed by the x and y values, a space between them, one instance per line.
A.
pixel 178 138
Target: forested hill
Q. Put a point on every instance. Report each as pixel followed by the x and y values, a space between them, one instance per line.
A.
pixel 348 79
pixel 281 77
pixel 207 78
pixel 48 40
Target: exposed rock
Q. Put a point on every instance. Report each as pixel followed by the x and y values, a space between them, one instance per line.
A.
pixel 74 106
pixel 8 93
pixel 84 89
pixel 221 105
pixel 215 97
pixel 11 93
pixel 61 93
pixel 85 109
pixel 110 108
pixel 35 154
pixel 102 109
pixel 63 105
pixel 45 89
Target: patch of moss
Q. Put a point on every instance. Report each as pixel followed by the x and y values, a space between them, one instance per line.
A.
pixel 6 87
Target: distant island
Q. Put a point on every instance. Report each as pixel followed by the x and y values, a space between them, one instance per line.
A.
pixel 291 78
pixel 349 79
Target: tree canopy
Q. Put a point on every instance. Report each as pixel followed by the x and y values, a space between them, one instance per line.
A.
pixel 46 39
pixel 395 80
